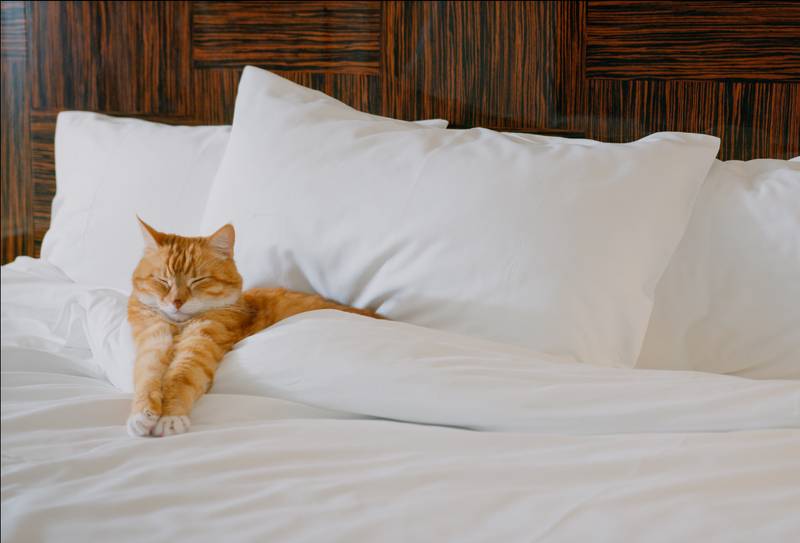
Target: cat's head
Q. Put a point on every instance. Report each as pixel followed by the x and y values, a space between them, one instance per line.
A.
pixel 183 277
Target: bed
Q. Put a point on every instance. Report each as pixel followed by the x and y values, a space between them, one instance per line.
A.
pixel 720 455
pixel 336 427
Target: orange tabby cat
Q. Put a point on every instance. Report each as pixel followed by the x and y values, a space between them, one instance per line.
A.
pixel 187 310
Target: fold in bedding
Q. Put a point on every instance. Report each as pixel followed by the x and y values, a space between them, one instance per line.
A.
pixel 404 372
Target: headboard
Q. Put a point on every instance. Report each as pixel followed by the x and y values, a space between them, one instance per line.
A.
pixel 608 70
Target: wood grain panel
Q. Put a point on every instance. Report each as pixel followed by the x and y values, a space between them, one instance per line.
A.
pixel 296 36
pixel 43 173
pixel 15 186
pixel 215 94
pixel 12 21
pixel 753 120
pixel 128 57
pixel 511 65
pixel 362 92
pixel 729 69
pixel 693 40
pixel 215 91
pixel 17 234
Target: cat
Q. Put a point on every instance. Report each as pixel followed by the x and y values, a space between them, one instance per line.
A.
pixel 187 310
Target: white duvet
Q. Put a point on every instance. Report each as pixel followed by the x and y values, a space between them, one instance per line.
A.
pixel 293 444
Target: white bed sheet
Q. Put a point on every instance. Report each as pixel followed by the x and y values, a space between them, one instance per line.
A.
pixel 569 452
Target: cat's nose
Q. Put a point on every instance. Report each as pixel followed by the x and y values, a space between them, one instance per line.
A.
pixel 178 303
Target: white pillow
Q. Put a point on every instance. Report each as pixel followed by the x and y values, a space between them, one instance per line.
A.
pixel 729 301
pixel 108 170
pixel 553 246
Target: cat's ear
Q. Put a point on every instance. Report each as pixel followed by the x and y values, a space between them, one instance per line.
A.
pixel 222 240
pixel 152 237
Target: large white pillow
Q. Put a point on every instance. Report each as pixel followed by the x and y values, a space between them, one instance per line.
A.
pixel 553 246
pixel 108 170
pixel 729 301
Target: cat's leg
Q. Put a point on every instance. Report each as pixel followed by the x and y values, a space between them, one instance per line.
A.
pixel 198 351
pixel 153 354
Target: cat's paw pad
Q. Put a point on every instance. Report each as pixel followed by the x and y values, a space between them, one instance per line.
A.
pixel 170 426
pixel 142 423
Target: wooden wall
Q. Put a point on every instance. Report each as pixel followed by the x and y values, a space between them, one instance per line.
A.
pixel 609 70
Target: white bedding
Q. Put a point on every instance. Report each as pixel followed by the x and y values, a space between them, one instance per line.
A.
pixel 290 445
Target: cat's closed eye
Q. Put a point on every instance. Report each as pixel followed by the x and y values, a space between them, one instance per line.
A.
pixel 162 281
pixel 196 281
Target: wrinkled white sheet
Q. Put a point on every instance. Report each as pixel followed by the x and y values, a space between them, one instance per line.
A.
pixel 404 372
pixel 575 452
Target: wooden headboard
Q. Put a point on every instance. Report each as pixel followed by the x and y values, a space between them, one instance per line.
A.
pixel 609 70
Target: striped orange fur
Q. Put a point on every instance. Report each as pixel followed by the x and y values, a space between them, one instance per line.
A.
pixel 187 310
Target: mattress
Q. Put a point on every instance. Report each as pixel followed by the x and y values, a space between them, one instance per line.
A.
pixel 332 427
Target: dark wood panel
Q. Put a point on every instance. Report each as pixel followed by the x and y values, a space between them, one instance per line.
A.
pixel 15 186
pixel 518 66
pixel 215 91
pixel 362 92
pixel 111 56
pixel 297 36
pixel 215 94
pixel 693 40
pixel 43 172
pixel 16 195
pixel 754 120
pixel 511 65
pixel 12 21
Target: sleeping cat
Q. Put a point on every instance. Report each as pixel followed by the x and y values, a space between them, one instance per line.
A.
pixel 187 310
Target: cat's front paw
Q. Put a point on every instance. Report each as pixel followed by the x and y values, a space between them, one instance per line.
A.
pixel 170 426
pixel 142 423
